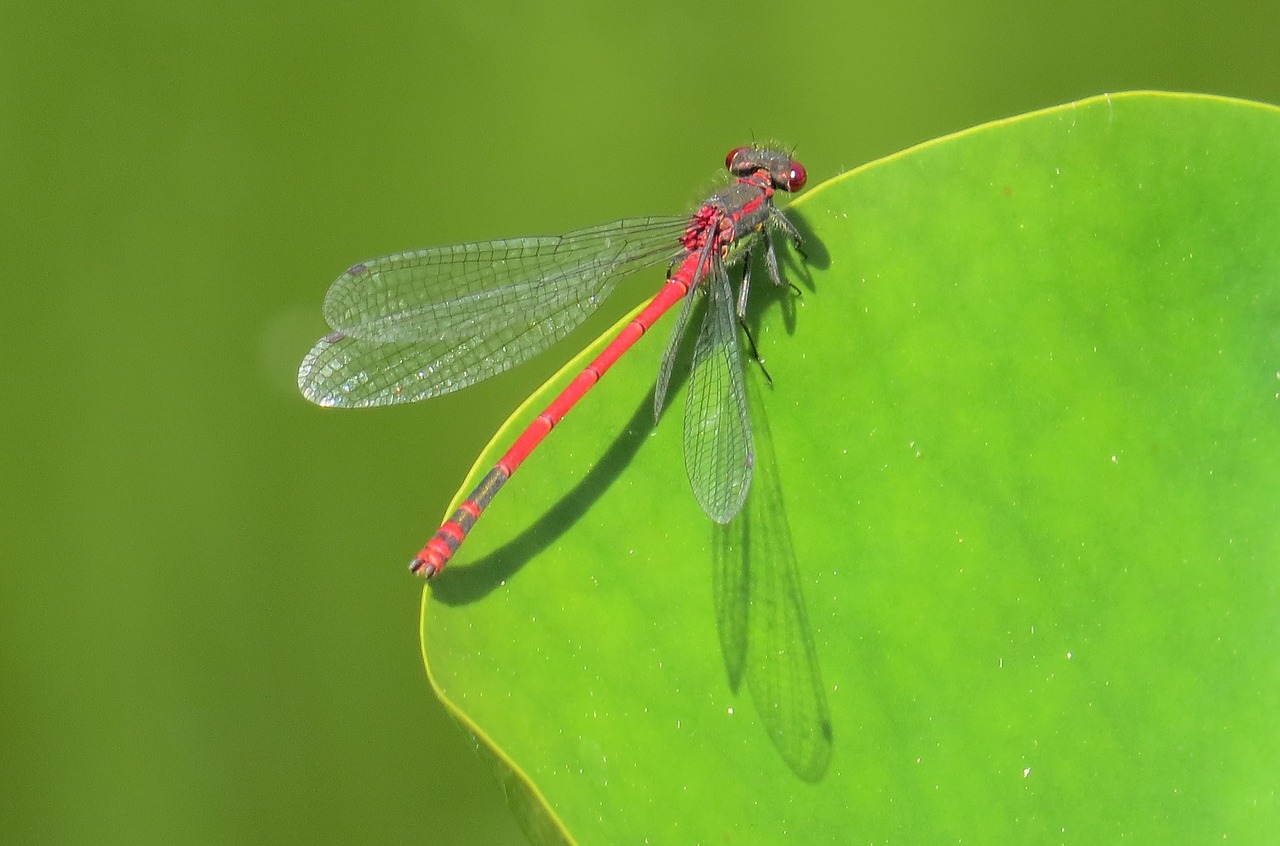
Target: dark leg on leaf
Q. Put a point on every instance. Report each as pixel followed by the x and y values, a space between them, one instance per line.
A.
pixel 782 222
pixel 745 288
pixel 771 261
pixel 754 352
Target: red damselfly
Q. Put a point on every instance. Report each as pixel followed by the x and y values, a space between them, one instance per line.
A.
pixel 428 322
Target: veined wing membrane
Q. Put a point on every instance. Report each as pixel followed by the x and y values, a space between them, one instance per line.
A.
pixel 424 323
pixel 718 452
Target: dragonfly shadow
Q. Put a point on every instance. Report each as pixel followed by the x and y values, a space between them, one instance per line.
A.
pixel 815 252
pixel 765 637
pixel 475 581
pixel 794 265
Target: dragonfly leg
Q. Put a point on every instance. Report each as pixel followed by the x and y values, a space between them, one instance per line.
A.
pixel 771 258
pixel 752 350
pixel 744 289
pixel 771 262
pixel 784 223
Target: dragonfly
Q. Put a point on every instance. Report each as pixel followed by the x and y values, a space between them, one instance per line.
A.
pixel 423 323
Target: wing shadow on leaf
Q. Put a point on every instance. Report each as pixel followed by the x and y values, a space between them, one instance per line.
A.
pixel 760 614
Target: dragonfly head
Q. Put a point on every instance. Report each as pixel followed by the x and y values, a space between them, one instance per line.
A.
pixel 784 172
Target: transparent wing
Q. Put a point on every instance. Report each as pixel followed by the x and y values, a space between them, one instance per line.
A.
pixel 423 323
pixel 717 429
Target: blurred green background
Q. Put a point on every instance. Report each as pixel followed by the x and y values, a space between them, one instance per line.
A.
pixel 208 634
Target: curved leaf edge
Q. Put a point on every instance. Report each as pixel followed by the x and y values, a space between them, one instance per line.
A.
pixel 1140 94
pixel 534 814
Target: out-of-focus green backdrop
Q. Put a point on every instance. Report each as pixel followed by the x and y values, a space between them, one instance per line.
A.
pixel 207 634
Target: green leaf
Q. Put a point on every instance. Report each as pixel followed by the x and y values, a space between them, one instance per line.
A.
pixel 1021 465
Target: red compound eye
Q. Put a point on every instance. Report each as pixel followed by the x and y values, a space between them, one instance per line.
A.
pixel 733 154
pixel 796 177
